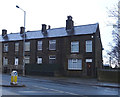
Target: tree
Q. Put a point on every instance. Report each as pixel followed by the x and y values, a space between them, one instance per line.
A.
pixel 115 48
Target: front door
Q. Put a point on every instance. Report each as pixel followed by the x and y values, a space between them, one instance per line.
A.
pixel 89 69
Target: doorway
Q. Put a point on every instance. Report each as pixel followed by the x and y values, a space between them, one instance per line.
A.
pixel 89 69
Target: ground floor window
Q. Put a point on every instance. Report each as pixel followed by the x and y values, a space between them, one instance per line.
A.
pixel 74 64
pixel 16 61
pixel 5 61
pixel 39 60
pixel 52 59
pixel 27 59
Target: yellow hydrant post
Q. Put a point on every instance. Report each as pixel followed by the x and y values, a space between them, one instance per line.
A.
pixel 14 76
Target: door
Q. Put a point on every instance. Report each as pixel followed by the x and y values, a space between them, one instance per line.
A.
pixel 89 69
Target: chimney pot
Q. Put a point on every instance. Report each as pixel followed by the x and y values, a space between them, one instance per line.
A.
pixel 4 32
pixel 22 29
pixel 69 17
pixel 49 27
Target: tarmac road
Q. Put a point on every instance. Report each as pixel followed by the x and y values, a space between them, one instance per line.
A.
pixel 55 86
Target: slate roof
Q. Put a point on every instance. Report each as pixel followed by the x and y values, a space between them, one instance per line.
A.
pixel 56 32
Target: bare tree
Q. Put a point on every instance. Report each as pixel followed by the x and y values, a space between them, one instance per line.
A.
pixel 115 52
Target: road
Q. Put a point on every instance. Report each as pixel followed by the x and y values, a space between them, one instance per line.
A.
pixel 48 86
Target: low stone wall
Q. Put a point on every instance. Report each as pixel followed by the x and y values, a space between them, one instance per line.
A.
pixel 109 75
pixel 43 69
pixel 10 68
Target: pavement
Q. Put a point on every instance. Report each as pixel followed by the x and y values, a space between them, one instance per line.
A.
pixel 67 80
pixel 83 81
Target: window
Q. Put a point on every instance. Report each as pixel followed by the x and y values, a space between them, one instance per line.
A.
pixel 89 46
pixel 27 46
pixel 16 46
pixel 75 47
pixel 6 47
pixel 88 60
pixel 52 59
pixel 27 59
pixel 5 61
pixel 39 60
pixel 39 45
pixel 52 45
pixel 74 64
pixel 16 61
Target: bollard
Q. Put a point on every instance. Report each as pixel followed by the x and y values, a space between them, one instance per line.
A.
pixel 14 76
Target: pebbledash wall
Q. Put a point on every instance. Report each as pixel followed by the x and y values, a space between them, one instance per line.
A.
pixel 68 51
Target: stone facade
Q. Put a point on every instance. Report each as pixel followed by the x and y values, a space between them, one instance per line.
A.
pixel 89 61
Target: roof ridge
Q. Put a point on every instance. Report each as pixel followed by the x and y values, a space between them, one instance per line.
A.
pixel 13 33
pixel 87 25
pixel 64 27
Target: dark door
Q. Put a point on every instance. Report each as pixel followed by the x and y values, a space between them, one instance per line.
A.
pixel 89 69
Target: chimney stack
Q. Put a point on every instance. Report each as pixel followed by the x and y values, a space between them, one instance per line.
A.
pixel 44 30
pixel 22 29
pixel 69 25
pixel 4 32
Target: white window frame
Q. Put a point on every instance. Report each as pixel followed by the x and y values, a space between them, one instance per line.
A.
pixel 17 46
pixel 88 60
pixel 5 61
pixel 74 46
pixel 74 65
pixel 16 61
pixel 39 45
pixel 6 47
pixel 52 44
pixel 39 60
pixel 89 46
pixel 52 57
pixel 27 59
pixel 27 46
pixel 74 60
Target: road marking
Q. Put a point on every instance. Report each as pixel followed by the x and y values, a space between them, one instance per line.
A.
pixel 56 90
pixel 29 91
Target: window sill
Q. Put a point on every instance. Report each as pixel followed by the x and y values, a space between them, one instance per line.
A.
pixel 5 52
pixel 75 70
pixel 75 52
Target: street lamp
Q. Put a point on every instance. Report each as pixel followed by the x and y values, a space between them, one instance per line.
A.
pixel 23 40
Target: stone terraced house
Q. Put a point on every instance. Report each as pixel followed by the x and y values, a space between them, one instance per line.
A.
pixel 67 51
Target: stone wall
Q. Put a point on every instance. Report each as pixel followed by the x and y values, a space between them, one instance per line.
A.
pixel 109 75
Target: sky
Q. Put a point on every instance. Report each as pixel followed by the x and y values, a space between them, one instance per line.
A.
pixel 54 13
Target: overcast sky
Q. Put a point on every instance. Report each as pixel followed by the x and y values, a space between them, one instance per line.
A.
pixel 54 13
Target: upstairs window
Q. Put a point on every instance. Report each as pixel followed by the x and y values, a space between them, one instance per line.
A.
pixel 89 46
pixel 75 47
pixel 52 45
pixel 52 59
pixel 27 46
pixel 39 45
pixel 6 47
pixel 16 46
